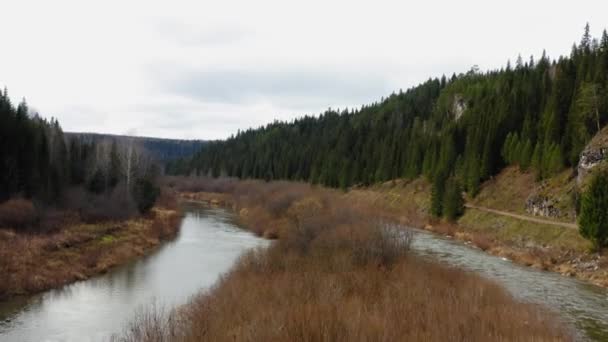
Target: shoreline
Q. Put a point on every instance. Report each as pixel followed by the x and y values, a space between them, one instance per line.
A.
pixel 37 263
pixel 545 259
pixel 529 258
pixel 331 273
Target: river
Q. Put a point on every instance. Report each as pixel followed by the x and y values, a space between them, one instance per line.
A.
pixel 209 243
pixel 583 305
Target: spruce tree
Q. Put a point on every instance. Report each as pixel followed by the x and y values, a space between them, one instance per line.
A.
pixel 437 194
pixel 525 156
pixel 537 160
pixel 593 219
pixel 453 203
pixel 473 177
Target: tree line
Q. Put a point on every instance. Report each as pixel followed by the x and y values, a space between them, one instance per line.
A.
pixel 40 163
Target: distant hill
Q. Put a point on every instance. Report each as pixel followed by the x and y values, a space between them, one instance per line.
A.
pixel 159 148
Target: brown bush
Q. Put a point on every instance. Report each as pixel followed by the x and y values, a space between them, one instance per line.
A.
pixel 278 203
pixel 52 220
pixel 165 226
pixel 17 213
pixel 482 241
pixel 445 228
pixel 167 199
pixel 117 205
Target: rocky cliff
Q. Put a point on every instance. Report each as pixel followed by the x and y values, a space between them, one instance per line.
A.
pixel 594 156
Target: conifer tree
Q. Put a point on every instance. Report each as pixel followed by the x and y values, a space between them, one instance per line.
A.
pixel 453 203
pixel 537 160
pixel 525 156
pixel 437 194
pixel 593 219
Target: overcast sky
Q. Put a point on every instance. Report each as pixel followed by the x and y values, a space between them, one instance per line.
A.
pixel 204 69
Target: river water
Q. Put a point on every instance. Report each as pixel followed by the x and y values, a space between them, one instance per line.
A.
pixel 583 305
pixel 208 245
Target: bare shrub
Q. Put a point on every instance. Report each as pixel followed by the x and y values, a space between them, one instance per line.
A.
pixel 278 204
pixel 17 213
pixel 52 220
pixel 115 206
pixel 164 227
pixel 151 324
pixel 482 241
pixel 167 199
pixel 445 228
pixel 385 245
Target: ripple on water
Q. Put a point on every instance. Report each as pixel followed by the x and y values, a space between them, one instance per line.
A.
pixel 583 305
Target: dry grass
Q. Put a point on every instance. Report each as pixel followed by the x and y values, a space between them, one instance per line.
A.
pixel 483 241
pixel 32 263
pixel 341 271
pixel 510 189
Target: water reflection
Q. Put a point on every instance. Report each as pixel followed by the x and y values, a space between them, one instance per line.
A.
pixel 92 310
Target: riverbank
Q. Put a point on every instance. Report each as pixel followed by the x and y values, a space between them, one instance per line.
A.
pixel 547 247
pixel 31 263
pixel 340 270
pixel 542 246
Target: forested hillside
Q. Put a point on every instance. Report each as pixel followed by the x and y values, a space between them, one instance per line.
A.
pixel 537 113
pixel 41 164
pixel 160 149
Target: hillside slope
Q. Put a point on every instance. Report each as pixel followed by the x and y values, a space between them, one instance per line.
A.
pixel 160 149
pixel 463 129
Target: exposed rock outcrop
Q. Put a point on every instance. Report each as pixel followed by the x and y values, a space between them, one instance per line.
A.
pixel 459 106
pixel 539 205
pixel 594 154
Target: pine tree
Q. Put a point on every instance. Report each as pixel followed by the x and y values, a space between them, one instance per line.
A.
pixel 593 220
pixel 604 41
pixel 525 156
pixel 473 177
pixel 437 195
pixel 506 149
pixel 537 160
pixel 553 160
pixel 453 203
pixel 586 40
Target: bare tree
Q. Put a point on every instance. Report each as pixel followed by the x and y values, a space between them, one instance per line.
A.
pixel 134 160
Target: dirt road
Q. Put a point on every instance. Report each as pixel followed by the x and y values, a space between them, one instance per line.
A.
pixel 523 217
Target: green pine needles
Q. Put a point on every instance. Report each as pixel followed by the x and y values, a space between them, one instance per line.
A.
pixel 593 220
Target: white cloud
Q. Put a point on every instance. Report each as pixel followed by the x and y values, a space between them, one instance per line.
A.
pixel 203 69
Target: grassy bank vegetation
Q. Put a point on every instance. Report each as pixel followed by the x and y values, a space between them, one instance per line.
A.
pixel 43 248
pixel 340 271
pixel 543 246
